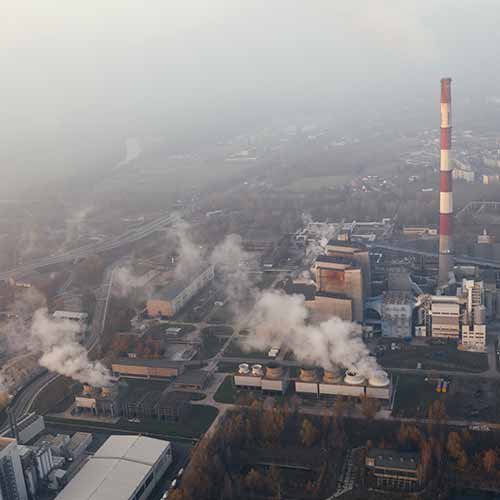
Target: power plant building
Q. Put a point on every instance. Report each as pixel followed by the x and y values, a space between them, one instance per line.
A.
pixel 397 312
pixel 342 277
pixel 169 300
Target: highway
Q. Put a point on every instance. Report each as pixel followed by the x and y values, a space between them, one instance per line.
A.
pixel 23 400
pixel 129 236
pixel 463 259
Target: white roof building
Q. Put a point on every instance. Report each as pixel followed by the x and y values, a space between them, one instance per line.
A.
pixel 124 468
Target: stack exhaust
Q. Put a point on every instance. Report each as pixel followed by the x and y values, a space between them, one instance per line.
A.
pixel 445 187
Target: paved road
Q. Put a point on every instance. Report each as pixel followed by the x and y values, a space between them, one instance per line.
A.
pixel 129 236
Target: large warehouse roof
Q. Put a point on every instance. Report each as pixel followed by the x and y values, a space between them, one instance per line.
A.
pixel 116 469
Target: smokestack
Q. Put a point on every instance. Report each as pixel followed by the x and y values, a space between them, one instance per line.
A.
pixel 445 187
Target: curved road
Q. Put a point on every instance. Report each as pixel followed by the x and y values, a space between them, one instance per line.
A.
pixel 108 244
pixel 24 399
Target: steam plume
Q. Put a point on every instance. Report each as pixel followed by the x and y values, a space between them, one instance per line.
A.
pixel 190 254
pixel 234 264
pixel 278 319
pixel 61 352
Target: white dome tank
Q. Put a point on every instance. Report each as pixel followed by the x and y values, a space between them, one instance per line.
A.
pixel 243 368
pixel 353 378
pixel 257 370
pixel 379 379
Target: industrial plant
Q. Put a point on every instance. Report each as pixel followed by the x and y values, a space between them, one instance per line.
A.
pixel 312 381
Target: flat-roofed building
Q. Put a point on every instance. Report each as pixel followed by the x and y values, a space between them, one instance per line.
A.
pixel 169 300
pixel 147 368
pixel 124 468
pixel 446 319
pixel 393 470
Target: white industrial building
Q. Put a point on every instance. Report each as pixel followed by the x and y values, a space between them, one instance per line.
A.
pixel 397 310
pixel 12 484
pixel 25 429
pixel 124 468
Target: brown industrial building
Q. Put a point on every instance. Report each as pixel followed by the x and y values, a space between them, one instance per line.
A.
pixel 321 305
pixel 168 301
pixel 360 256
pixel 342 278
pixel 147 368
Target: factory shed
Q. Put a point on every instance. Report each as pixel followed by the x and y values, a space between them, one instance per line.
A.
pixel 124 468
pixel 147 368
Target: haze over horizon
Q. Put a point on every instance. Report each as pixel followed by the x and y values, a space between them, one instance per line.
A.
pixel 78 77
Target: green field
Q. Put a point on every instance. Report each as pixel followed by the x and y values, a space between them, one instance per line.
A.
pixel 323 183
pixel 226 392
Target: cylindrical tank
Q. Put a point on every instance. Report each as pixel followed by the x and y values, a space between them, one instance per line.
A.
pixel 243 368
pixel 332 376
pixel 480 315
pixel 307 374
pixel 257 370
pixel 379 379
pixel 274 371
pixel 353 378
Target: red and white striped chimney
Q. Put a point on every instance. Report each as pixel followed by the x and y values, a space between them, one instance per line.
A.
pixel 445 187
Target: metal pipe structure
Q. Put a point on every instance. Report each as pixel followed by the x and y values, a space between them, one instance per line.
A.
pixel 445 187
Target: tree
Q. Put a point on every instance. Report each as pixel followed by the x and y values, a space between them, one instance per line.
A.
pixel 369 407
pixel 274 480
pixel 308 433
pixel 489 460
pixel 254 480
pixel 426 456
pixel 455 449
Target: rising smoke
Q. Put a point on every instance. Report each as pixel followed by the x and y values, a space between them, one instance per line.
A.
pixel 278 319
pixel 190 255
pixel 61 352
pixel 233 265
pixel 32 330
pixel 321 234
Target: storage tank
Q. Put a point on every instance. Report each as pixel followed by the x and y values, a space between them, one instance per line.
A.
pixel 333 376
pixel 257 370
pixel 274 371
pixel 307 374
pixel 243 368
pixel 379 379
pixel 353 378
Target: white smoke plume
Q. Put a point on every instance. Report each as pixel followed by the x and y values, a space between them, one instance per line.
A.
pixel 234 265
pixel 319 236
pixel 75 224
pixel 127 283
pixel 190 255
pixel 279 319
pixel 61 352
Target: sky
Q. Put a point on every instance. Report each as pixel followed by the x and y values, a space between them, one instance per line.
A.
pixel 78 73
